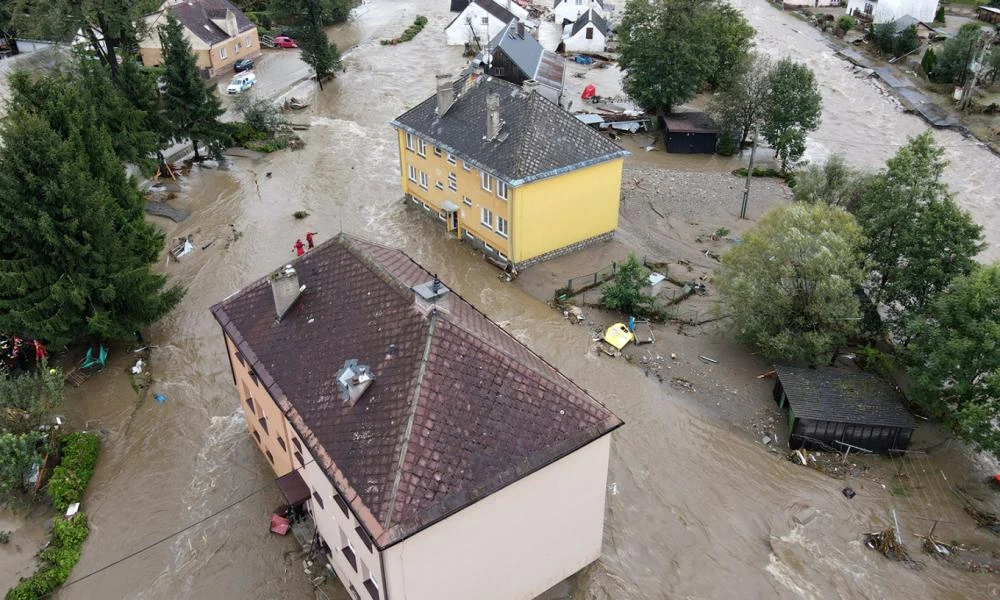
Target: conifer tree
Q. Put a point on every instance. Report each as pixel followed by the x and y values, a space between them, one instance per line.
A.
pixel 75 251
pixel 317 50
pixel 191 109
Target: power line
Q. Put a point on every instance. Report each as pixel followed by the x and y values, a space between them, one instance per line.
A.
pixel 172 535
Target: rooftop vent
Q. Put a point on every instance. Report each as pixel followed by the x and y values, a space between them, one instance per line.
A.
pixel 432 294
pixel 354 380
pixel 286 290
pixel 493 123
pixel 529 85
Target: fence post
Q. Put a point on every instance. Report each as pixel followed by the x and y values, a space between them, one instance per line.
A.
pixel 569 284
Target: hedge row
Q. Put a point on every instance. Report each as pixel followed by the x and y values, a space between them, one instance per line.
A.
pixel 58 559
pixel 410 33
pixel 76 467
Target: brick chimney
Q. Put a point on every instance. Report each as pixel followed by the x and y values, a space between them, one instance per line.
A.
pixel 445 93
pixel 529 85
pixel 286 290
pixel 492 116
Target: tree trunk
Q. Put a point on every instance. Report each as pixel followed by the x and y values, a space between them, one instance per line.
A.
pixel 109 46
pixel 194 143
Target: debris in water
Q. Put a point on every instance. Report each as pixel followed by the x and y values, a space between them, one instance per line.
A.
pixel 886 542
pixel 160 398
pixel 766 440
pixel 848 493
pixel 708 360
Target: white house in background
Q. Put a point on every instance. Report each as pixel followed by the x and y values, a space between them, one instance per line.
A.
pixel 884 11
pixel 570 10
pixel 478 23
pixel 588 34
pixel 509 5
pixel 812 3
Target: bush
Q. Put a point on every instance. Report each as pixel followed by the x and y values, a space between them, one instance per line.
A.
pixel 624 294
pixel 928 61
pixel 410 33
pixel 939 15
pixel 847 23
pixel 69 480
pixel 58 559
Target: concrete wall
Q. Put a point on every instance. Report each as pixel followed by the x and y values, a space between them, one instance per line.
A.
pixel 514 544
pixel 560 211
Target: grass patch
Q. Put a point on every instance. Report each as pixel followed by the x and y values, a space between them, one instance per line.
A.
pixel 410 33
pixel 58 559
pixel 300 214
pixel 76 467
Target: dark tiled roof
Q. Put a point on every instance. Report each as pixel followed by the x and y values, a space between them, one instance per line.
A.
pixel 538 139
pixel 537 63
pixel 460 410
pixel 591 16
pixel 843 397
pixel 458 5
pixel 489 6
pixel 690 122
pixel 197 15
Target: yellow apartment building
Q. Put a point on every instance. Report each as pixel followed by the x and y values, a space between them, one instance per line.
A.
pixel 509 171
pixel 437 456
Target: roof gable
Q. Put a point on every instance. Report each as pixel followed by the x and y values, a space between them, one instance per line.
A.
pixel 458 410
pixel 538 139
pixel 203 18
pixel 591 16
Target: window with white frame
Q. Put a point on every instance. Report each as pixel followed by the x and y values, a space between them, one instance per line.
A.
pixel 437 151
pixel 466 166
pixel 501 189
pixel 466 201
pixel 486 181
pixel 237 46
pixel 438 185
pixel 486 217
pixel 222 53
pixel 452 182
pixel 413 173
pixel 421 147
pixel 423 180
pixel 451 159
pixel 409 141
pixel 247 42
pixel 501 226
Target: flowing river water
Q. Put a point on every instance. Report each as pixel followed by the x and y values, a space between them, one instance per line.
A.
pixel 696 509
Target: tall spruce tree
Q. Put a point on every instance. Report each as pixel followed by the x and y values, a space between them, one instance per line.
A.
pixel 317 50
pixel 75 251
pixel 192 110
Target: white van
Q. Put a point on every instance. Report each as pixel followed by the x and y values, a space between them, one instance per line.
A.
pixel 242 82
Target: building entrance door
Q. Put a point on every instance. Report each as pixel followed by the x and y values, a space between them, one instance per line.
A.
pixel 452 220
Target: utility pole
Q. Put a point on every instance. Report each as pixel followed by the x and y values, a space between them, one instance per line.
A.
pixel 746 189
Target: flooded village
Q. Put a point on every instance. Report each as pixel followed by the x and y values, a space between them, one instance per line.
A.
pixel 452 252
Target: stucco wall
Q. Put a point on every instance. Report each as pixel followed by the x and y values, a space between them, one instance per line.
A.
pixel 559 211
pixel 458 33
pixel 580 43
pixel 514 544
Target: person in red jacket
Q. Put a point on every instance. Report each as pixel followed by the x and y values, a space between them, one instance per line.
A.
pixel 299 248
pixel 309 239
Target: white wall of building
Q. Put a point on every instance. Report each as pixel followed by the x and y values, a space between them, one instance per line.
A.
pixel 580 43
pixel 514 544
pixel 884 11
pixel 569 10
pixel 812 3
pixel 483 23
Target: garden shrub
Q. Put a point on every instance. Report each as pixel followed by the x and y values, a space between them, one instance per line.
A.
pixel 58 559
pixel 76 467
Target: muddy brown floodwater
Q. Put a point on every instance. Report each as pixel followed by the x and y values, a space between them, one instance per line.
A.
pixel 695 508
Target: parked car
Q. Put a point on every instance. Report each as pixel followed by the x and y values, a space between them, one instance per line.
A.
pixel 242 82
pixel 244 64
pixel 283 41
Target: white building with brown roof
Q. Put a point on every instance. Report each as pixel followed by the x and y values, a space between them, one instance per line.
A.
pixel 219 34
pixel 439 457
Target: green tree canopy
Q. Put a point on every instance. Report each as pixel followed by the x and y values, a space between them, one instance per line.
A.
pixel 790 286
pixel 740 104
pixel 624 294
pixel 918 238
pixel 833 182
pixel 75 250
pixel 953 358
pixel 191 109
pixel 792 111
pixel 317 50
pixel 952 64
pixel 671 49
